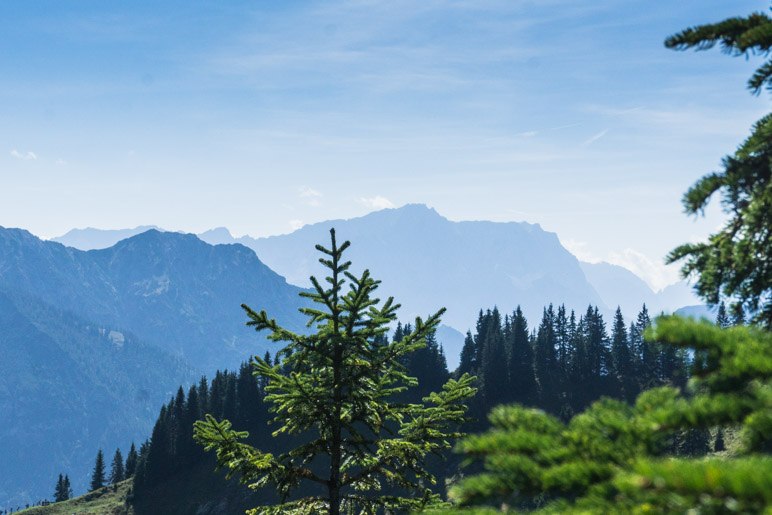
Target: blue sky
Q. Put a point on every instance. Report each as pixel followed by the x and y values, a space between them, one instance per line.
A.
pixel 261 116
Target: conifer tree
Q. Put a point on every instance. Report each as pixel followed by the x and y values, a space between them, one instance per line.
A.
pixel 493 365
pixel 98 474
pixel 62 490
pixel 522 380
pixel 647 374
pixel 263 381
pixel 117 472
pixel 131 461
pixel 738 315
pixel 622 359
pixel 191 413
pixel 546 361
pixel 203 395
pixel 608 459
pixel 722 318
pixel 428 364
pixel 332 391
pixel 736 263
pixel 67 487
pixel 563 338
pixel 467 363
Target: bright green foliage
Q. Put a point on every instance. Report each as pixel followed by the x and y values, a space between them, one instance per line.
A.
pixel 736 262
pixel 612 457
pixel 711 485
pixel 333 391
pixel 737 36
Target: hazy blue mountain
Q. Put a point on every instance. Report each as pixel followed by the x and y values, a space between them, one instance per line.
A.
pixel 218 236
pixel 91 238
pixel 618 286
pixel 68 386
pixel 92 342
pixel 700 311
pixel 427 262
pixel 172 290
pixel 677 296
pixel 452 342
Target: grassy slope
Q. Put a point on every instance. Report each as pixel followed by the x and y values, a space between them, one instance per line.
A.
pixel 104 501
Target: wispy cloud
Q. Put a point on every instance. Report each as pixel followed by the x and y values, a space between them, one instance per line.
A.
pixel 594 138
pixel 310 196
pixel 24 156
pixel 580 249
pixel 530 134
pixel 655 272
pixel 376 202
pixel 306 192
pixel 296 224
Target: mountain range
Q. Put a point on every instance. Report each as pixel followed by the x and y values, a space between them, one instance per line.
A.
pixel 427 261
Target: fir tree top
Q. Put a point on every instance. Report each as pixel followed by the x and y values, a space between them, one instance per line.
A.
pixel 334 390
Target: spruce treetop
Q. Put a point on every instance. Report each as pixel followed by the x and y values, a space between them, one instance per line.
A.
pixel 334 390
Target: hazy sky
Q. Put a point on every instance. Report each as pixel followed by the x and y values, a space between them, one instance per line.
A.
pixel 261 116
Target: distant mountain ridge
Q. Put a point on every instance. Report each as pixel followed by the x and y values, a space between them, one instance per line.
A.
pixel 378 234
pixel 171 289
pixel 427 261
pixel 92 239
pixel 618 286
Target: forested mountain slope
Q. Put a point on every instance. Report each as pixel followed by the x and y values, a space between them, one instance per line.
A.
pixel 66 386
pixel 93 342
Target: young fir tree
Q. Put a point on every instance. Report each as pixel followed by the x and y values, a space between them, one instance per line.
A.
pixel 333 392
pixel 117 472
pixel 98 474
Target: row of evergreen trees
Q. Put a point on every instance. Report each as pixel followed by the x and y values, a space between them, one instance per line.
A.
pixel 119 471
pixel 234 395
pixel 564 363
